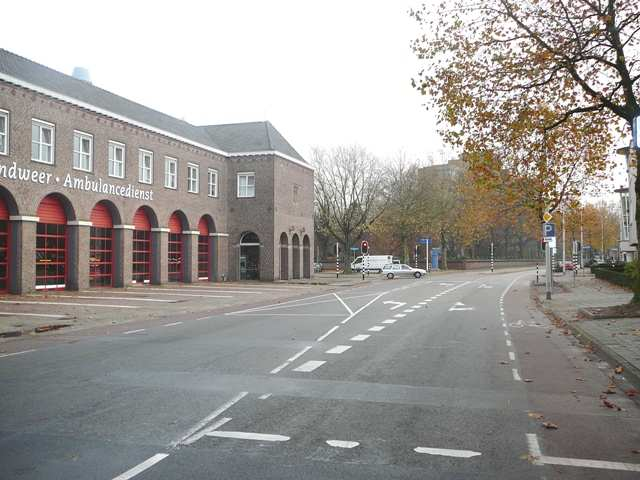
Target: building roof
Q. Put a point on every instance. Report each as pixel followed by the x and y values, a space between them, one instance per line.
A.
pixel 232 138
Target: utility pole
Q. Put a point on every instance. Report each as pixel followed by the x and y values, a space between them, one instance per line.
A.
pixel 563 244
pixel 581 242
pixel 491 257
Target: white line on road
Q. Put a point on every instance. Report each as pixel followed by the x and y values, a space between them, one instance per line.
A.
pixel 22 314
pixel 26 302
pixel 148 463
pixel 343 304
pixel 360 338
pixel 423 303
pixel 363 307
pixel 540 459
pixel 331 330
pixel 265 396
pixel 172 324
pixel 203 318
pixel 338 349
pixel 445 452
pixel 395 304
pixel 415 307
pixel 378 328
pixel 506 334
pixel 16 353
pixel 261 437
pixel 203 423
pixel 408 310
pixel 292 359
pixel 390 321
pixel 129 332
pixel 516 375
pixel 309 366
pixel 194 438
pixel 287 304
pixel 107 297
pixel 168 294
pixel 342 443
pixel 512 356
pixel 508 342
pixel 400 315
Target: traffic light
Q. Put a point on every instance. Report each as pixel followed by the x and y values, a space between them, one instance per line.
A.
pixel 364 247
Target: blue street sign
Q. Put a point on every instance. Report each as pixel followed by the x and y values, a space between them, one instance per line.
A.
pixel 424 241
pixel 355 249
pixel 548 230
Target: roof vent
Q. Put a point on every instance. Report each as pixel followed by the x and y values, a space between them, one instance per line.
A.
pixel 82 73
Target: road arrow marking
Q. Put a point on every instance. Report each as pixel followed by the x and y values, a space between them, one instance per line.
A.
pixel 397 304
pixel 460 307
pixel 446 452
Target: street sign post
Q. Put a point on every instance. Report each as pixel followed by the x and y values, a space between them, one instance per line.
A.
pixel 549 235
pixel 547 217
pixel 636 132
pixel 426 241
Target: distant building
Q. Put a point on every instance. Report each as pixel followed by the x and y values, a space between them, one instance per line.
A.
pixel 628 240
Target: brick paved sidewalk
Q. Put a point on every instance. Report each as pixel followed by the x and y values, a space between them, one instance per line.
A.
pixel 617 339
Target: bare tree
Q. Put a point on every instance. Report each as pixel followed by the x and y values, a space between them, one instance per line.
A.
pixel 348 192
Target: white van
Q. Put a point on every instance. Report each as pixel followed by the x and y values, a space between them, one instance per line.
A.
pixel 375 263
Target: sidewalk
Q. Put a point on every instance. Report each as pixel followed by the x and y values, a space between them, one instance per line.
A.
pixel 617 339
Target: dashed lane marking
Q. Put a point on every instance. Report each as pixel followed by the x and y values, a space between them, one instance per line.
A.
pixel 408 310
pixel 539 459
pixel 172 324
pixel 446 452
pixel 512 356
pixel 265 396
pixel 19 353
pixel 516 375
pixel 415 307
pixel 290 360
pixel 400 315
pixel 129 332
pixel 309 366
pixel 390 321
pixel 360 338
pixel 342 443
pixel 261 437
pixel 148 463
pixel 377 328
pixel 23 314
pixel 508 342
pixel 338 349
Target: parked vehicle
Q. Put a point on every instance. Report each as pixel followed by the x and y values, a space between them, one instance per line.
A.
pixel 393 270
pixel 375 263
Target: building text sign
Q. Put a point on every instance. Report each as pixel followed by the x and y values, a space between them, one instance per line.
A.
pixel 83 183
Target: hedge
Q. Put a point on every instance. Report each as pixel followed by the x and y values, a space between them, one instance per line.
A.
pixel 615 277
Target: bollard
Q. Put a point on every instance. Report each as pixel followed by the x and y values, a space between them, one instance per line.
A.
pixel 537 274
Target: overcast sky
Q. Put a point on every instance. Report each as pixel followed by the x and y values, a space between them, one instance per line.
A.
pixel 323 72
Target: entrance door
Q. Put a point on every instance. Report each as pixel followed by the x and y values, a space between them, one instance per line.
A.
pixel 101 247
pixel 141 252
pixel 175 249
pixel 4 246
pixel 51 245
pixel 203 250
pixel 250 257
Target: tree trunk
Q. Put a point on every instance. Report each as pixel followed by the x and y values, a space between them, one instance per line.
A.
pixel 634 158
pixel 443 244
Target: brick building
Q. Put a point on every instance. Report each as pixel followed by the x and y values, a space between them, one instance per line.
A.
pixel 97 190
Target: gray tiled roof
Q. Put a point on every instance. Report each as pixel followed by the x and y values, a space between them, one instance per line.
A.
pixel 232 138
pixel 250 137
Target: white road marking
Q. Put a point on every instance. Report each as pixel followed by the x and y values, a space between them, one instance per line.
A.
pixel 19 353
pixel 203 291
pixel 378 328
pixel 260 314
pixel 363 307
pixel 292 359
pixel 169 294
pixel 516 375
pixel 512 356
pixel 194 438
pixel 415 307
pixel 148 463
pixel 343 304
pixel 504 325
pixel 342 443
pixel 338 349
pixel 540 459
pixel 203 423
pixel 261 437
pixel 331 330
pixel 400 315
pixel 26 302
pixel 360 338
pixel 459 306
pixel 309 366
pixel 390 321
pixel 397 304
pixel 508 342
pixel 107 297
pixel 129 332
pixel 203 318
pixel 423 303
pixel 172 324
pixel 429 300
pixel 506 334
pixel 408 310
pixel 265 396
pixel 445 452
pixel 288 304
pixel 22 314
pixel 485 286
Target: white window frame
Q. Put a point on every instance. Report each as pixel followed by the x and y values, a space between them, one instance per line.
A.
pixel 168 175
pixel 246 175
pixel 5 134
pixel 42 124
pixel 112 160
pixel 213 186
pixel 79 154
pixel 193 181
pixel 142 168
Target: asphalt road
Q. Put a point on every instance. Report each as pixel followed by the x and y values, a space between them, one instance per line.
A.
pixel 449 378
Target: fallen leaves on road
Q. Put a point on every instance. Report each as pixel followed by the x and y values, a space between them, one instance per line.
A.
pixel 504 363
pixel 610 389
pixel 550 425
pixel 611 405
pixel 483 328
pixel 632 392
pixel 635 450
pixel 580 379
pixel 537 416
pixel 619 369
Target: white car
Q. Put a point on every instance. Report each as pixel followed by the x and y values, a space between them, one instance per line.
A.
pixel 402 270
